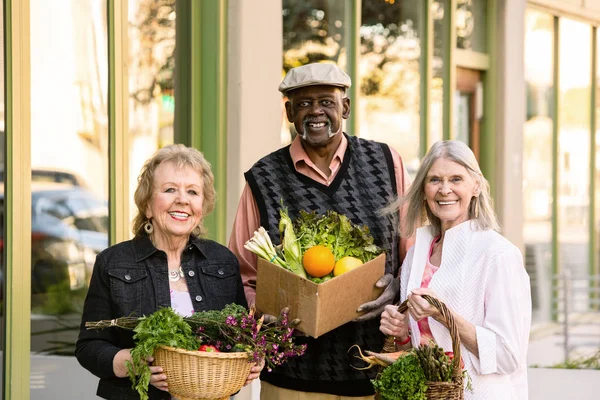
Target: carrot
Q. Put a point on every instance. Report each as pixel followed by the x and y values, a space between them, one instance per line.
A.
pixel 374 359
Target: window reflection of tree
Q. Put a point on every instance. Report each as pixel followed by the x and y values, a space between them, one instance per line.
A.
pixel 152 65
pixel 314 31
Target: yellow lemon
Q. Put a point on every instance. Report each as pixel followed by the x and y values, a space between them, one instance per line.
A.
pixel 346 264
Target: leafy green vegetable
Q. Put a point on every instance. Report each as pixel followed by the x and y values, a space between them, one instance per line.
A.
pixel 402 380
pixel 322 279
pixel 291 246
pixel 162 328
pixel 336 232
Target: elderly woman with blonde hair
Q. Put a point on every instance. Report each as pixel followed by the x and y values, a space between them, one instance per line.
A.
pixel 166 264
pixel 460 258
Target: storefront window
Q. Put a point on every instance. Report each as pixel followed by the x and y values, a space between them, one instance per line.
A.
pixel 313 31
pixel 538 158
pixel 574 154
pixel 471 27
pixel 440 42
pixel 389 76
pixel 69 162
pixel 151 82
pixel 596 270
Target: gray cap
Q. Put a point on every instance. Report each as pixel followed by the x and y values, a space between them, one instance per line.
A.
pixel 313 75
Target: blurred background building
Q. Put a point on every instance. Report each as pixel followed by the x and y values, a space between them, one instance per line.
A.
pixel 91 88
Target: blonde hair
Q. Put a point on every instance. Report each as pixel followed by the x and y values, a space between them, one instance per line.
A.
pixel 181 156
pixel 414 201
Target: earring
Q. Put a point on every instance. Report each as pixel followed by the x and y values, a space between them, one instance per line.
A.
pixel 476 207
pixel 148 227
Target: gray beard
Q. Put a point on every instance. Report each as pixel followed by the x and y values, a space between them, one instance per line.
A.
pixel 304 136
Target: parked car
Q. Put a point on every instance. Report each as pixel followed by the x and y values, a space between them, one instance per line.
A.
pixel 57 175
pixel 69 226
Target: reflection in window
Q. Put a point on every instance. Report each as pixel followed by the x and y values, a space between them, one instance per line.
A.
pixel 151 82
pixel 440 42
pixel 537 158
pixel 313 31
pixel 574 152
pixel 596 268
pixel 69 161
pixel 470 25
pixel 389 74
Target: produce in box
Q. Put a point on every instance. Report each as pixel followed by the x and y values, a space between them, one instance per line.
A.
pixel 316 247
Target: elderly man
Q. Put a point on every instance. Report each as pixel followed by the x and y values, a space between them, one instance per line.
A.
pixel 324 169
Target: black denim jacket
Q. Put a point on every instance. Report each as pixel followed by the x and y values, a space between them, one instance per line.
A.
pixel 131 278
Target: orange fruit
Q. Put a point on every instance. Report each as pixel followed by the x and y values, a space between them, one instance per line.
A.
pixel 318 261
pixel 346 264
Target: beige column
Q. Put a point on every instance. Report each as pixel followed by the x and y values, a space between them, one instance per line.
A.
pixel 254 113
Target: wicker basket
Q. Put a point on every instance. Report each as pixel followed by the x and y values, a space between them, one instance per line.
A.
pixel 439 390
pixel 199 375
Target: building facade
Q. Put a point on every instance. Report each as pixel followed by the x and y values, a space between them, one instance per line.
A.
pixel 91 88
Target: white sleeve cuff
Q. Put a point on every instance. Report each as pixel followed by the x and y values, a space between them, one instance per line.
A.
pixel 486 344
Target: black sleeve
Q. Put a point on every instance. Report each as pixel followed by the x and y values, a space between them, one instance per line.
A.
pixel 96 349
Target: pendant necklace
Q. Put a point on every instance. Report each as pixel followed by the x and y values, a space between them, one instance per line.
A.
pixel 175 275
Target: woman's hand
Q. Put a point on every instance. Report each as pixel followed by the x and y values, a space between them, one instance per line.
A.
pixel 394 323
pixel 255 372
pixel 157 379
pixel 119 367
pixel 420 308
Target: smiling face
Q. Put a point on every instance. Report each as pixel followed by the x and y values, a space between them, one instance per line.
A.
pixel 176 203
pixel 317 113
pixel 449 188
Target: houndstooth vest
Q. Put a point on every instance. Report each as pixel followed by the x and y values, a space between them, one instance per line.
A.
pixel 364 184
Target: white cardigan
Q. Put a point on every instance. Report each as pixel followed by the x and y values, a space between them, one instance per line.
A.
pixel 481 278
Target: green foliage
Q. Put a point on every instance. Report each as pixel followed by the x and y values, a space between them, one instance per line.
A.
pixel 402 380
pixel 592 362
pixel 162 328
pixel 336 232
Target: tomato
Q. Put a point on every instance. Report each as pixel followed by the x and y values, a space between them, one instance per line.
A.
pixel 208 348
pixel 451 356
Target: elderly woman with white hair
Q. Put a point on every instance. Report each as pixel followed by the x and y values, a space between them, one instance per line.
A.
pixel 460 258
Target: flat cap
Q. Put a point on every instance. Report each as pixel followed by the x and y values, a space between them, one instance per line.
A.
pixel 313 75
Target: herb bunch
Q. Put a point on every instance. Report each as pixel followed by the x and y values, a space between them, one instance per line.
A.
pixel 162 328
pixel 404 379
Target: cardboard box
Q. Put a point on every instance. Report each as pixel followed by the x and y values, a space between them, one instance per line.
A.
pixel 321 307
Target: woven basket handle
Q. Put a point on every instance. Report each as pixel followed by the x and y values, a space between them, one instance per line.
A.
pixel 449 319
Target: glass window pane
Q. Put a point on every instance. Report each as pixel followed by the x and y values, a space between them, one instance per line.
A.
pixel 151 34
pixel 471 27
pixel 440 41
pixel 390 77
pixel 597 172
pixel 538 159
pixel 574 154
pixel 69 161
pixel 313 31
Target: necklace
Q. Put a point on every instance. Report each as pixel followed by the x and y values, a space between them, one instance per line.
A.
pixel 175 275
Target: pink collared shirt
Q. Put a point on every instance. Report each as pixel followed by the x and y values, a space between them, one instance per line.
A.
pixel 247 219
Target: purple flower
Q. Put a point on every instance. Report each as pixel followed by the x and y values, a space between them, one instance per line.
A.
pixel 230 320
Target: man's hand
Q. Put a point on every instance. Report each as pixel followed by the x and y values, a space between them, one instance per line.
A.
pixel 375 308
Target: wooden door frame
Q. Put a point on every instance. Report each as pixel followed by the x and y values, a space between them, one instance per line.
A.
pixel 467 81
